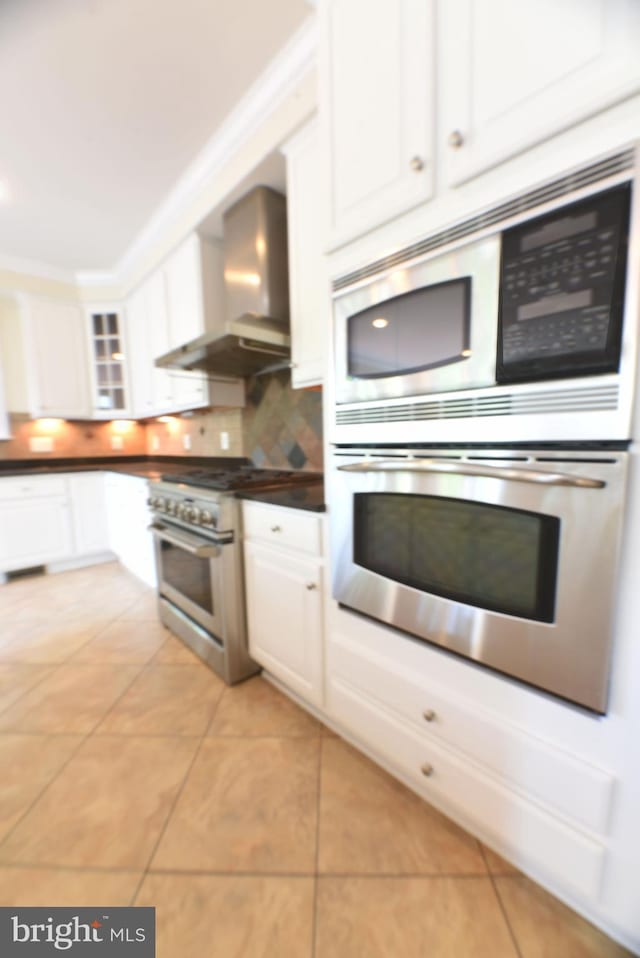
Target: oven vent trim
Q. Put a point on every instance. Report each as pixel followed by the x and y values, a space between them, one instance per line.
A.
pixel 521 403
pixel 563 186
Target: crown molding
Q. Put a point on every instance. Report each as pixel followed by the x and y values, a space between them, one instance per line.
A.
pixel 277 82
pixel 28 267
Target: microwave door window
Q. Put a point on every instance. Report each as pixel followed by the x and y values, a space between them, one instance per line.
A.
pixel 488 556
pixel 422 329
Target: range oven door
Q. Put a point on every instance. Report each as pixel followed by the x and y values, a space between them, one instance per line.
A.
pixel 190 574
pixel 507 557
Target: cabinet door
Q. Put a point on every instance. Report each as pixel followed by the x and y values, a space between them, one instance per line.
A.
pixel 107 362
pixel 183 278
pixel 34 532
pixel 309 291
pixel 57 354
pixel 140 359
pixel 128 521
pixel 514 73
pixel 88 509
pixel 284 610
pixel 378 86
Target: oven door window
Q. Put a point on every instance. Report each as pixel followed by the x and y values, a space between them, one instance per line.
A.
pixel 418 330
pixel 500 559
pixel 189 575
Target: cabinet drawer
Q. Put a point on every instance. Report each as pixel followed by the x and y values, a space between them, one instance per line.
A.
pixel 289 528
pixel 532 765
pixel 20 487
pixel 457 786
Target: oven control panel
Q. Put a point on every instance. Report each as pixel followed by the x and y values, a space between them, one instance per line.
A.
pixel 186 510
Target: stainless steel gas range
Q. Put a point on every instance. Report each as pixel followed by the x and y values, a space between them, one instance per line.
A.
pixel 197 531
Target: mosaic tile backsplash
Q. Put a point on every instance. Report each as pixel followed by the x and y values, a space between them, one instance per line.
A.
pixel 282 427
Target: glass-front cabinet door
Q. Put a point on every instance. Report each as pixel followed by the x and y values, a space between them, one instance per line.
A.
pixel 108 363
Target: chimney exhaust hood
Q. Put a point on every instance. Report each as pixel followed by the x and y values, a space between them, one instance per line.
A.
pixel 253 335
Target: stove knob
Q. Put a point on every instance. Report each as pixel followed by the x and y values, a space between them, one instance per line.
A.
pixel 193 514
pixel 180 510
pixel 170 508
pixel 206 518
pixel 160 504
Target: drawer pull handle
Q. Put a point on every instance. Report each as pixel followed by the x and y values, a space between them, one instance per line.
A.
pixel 426 769
pixel 276 528
pixel 455 139
pixel 428 715
pixel 311 586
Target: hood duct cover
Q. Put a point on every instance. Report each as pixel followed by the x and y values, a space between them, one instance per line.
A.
pixel 253 335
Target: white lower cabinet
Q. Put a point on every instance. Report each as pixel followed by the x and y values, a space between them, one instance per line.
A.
pixel 35 522
pixel 129 517
pixel 89 512
pixel 548 810
pixel 284 572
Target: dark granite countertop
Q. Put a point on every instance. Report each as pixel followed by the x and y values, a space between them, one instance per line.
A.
pixel 149 467
pixel 309 496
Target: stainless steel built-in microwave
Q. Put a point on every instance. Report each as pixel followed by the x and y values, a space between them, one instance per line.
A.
pixel 528 294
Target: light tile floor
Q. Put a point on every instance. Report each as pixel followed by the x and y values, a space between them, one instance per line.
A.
pixel 131 774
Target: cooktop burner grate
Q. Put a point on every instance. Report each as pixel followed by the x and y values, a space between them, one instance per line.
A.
pixel 236 479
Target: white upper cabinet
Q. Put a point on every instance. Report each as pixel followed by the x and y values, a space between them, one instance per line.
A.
pixel 107 362
pixel 309 292
pixel 170 308
pixel 511 74
pixel 49 358
pixel 4 419
pixel 378 64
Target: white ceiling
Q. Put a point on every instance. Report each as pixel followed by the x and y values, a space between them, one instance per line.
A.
pixel 103 105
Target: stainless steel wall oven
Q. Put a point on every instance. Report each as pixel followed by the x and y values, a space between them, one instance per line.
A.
pixel 504 556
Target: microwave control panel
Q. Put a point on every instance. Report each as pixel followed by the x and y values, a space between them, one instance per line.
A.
pixel 562 290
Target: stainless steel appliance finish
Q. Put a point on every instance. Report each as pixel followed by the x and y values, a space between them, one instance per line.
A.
pixel 549 349
pixel 254 332
pixel 200 574
pixel 504 556
pixel 471 364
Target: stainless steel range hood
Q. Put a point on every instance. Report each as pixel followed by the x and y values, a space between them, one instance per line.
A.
pixel 253 335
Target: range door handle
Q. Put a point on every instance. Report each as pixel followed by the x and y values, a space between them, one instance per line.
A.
pixel 536 476
pixel 194 545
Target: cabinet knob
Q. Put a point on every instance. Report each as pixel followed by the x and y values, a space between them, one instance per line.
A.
pixel 416 163
pixel 427 770
pixel 428 715
pixel 455 139
pixel 311 586
pixel 276 528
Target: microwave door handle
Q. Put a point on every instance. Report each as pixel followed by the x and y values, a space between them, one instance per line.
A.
pixel 471 469
pixel 194 546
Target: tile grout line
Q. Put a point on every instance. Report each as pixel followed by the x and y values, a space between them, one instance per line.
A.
pixel 314 922
pixel 180 790
pixel 501 903
pixel 83 739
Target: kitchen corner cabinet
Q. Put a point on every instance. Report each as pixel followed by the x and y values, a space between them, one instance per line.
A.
pixel 175 304
pixel 511 74
pixel 284 573
pixel 49 358
pixel 107 362
pixel 309 293
pixel 377 69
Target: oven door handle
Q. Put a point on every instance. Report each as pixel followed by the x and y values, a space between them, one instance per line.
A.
pixel 537 476
pixel 191 544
